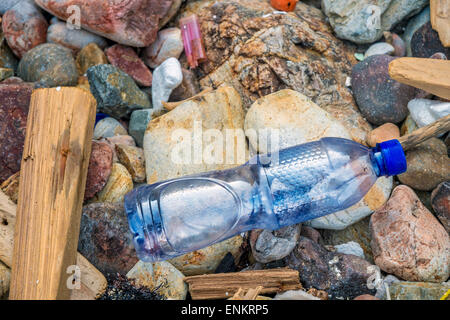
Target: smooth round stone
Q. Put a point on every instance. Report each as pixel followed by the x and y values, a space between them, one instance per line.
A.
pixel 138 124
pixel 425 42
pixel 395 41
pixel 50 65
pixel 387 131
pixel 379 48
pixel 109 127
pixel 380 99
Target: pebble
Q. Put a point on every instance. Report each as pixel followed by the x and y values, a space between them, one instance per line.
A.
pixel 51 65
pixel 385 132
pixel 299 120
pixel 425 111
pixel 268 246
pixel 116 92
pixel 108 127
pixel 408 241
pixel 169 44
pixel 166 78
pixel 428 165
pixel 340 275
pixel 7 58
pixel 408 126
pixel 121 139
pixel 6 73
pixel 138 124
pixel 366 297
pixel 74 39
pixel 418 290
pixel 133 159
pixel 160 276
pixel 425 42
pixel 118 185
pixel 295 295
pixel 351 247
pixel 127 60
pixel 134 23
pixel 207 260
pixel 440 200
pixel 99 170
pixel 380 99
pixel 89 56
pixel 395 41
pixel 105 239
pixel 311 233
pixel 188 88
pixel 15 100
pixel 379 48
pixel 24 27
pixel 413 24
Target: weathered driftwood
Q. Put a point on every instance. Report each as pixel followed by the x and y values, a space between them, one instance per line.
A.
pixel 440 19
pixel 225 285
pixel 53 178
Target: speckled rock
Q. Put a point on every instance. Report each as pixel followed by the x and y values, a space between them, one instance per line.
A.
pixel 380 99
pixel 418 290
pixel 208 259
pixel 299 120
pixel 49 64
pixel 108 127
pixel 379 48
pixel 127 60
pixel 15 100
pixel 161 276
pixel 116 92
pixel 188 88
pixel 7 58
pixel 121 139
pixel 133 23
pixel 268 246
pixel 74 39
pixel 342 276
pixel 408 241
pixel 118 185
pixel 413 24
pixel 425 42
pixel 133 159
pixel 440 200
pixel 89 56
pixel 24 27
pixel 99 170
pixel 164 157
pixel 428 165
pixel 138 124
pixel 6 73
pixel 311 233
pixel 169 44
pixel 295 51
pixel 105 239
pixel 385 132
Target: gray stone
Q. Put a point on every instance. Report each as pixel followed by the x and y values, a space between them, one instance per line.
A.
pixel 425 111
pixel 108 127
pixel 379 48
pixel 169 44
pixel 350 248
pixel 138 124
pixel 295 295
pixel 116 92
pixel 413 25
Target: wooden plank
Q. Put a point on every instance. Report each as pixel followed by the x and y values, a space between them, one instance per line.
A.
pixel 53 178
pixel 225 285
pixel 440 19
pixel 431 75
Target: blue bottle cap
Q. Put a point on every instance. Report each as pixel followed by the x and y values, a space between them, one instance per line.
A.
pixel 393 160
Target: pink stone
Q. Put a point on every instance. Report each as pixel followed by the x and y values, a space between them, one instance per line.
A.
pixel 24 27
pixel 408 241
pixel 192 40
pixel 126 59
pixel 129 22
pixel 99 170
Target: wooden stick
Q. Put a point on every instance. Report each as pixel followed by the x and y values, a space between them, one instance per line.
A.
pixel 251 294
pixel 93 282
pixel 420 135
pixel 225 285
pixel 53 178
pixel 172 105
pixel 440 19
pixel 431 75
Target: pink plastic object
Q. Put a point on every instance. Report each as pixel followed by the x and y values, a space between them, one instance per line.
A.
pixel 192 39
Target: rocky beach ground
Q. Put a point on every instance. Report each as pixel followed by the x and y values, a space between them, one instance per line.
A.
pixel 318 71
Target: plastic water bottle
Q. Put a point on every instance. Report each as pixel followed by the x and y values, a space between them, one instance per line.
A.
pixel 307 181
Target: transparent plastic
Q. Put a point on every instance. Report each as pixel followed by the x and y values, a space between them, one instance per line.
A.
pixel 307 181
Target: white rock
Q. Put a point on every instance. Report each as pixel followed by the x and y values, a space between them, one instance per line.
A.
pixel 425 111
pixel 298 121
pixel 160 275
pixel 351 247
pixel 166 77
pixel 295 295
pixel 108 127
pixel 379 48
pixel 168 44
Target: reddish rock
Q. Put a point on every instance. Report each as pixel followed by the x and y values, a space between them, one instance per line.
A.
pixel 311 233
pixel 100 166
pixel 425 42
pixel 366 297
pixel 440 200
pixel 126 59
pixel 408 241
pixel 105 239
pixel 24 27
pixel 14 104
pixel 385 132
pixel 134 23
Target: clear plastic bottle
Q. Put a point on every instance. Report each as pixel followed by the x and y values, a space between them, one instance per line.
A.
pixel 307 181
